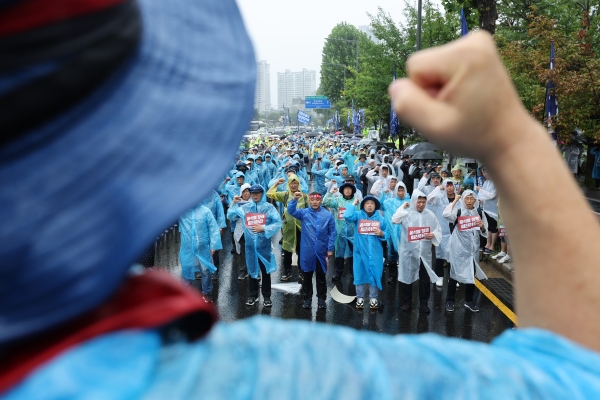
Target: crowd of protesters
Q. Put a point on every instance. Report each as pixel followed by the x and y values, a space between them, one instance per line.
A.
pixel 368 208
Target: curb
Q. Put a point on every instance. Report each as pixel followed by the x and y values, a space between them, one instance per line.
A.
pixel 507 270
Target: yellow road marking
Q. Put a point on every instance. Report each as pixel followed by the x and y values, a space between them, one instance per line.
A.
pixel 505 310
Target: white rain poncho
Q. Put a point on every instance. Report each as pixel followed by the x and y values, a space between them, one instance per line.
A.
pixel 411 253
pixel 437 200
pixel 464 245
pixel 238 230
pixel 489 200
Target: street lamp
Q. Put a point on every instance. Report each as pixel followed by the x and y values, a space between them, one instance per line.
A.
pixel 349 40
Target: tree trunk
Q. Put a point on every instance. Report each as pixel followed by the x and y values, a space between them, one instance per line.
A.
pixel 488 14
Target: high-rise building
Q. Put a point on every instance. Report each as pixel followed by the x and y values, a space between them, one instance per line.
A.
pixel 295 86
pixel 366 29
pixel 262 97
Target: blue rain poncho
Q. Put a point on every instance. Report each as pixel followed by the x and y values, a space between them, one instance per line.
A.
pixel 464 245
pixel 437 200
pixel 525 363
pixel 389 207
pixel 412 253
pixel 319 175
pixel 350 159
pixel 318 235
pixel 232 190
pixel 199 235
pixel 270 169
pixel 338 175
pixel 367 263
pixel 215 205
pixel 345 229
pixel 258 245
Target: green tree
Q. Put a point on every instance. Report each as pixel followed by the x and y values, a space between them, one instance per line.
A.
pixel 340 53
pixel 479 13
pixel 576 75
pixel 395 43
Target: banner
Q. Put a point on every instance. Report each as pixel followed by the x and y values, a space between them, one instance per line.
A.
pixel 468 223
pixel 341 212
pixel 303 117
pixel 367 227
pixel 501 231
pixel 417 233
pixel 254 219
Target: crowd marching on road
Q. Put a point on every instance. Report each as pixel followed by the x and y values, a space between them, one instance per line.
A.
pixel 371 209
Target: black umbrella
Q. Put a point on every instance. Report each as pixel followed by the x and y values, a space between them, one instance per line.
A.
pixel 426 155
pixel 312 134
pixel 422 146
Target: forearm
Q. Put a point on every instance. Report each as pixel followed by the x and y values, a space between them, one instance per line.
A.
pixel 564 228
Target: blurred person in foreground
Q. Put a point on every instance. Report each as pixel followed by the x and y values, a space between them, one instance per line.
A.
pixel 122 160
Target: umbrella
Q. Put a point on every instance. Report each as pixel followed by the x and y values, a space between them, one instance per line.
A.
pixel 312 134
pixel 338 132
pixel 423 146
pixel 426 155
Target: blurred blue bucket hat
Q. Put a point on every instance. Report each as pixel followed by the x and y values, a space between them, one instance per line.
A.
pixel 87 188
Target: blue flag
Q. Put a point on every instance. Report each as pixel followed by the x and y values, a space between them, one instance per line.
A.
pixel 394 125
pixel 303 117
pixel 284 117
pixel 551 102
pixel 464 29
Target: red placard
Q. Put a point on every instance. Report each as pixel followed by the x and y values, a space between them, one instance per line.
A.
pixel 254 219
pixel 417 233
pixel 341 211
pixel 367 227
pixel 501 231
pixel 468 223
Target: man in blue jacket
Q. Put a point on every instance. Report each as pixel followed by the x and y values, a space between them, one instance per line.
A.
pixel 317 244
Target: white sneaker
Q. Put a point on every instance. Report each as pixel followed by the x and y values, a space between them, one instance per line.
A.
pixel 439 282
pixel 505 259
pixel 499 255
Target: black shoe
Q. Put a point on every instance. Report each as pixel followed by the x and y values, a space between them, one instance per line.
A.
pixel 336 277
pixel 242 275
pixel 424 308
pixel 251 301
pixel 471 306
pixel 286 276
pixel 449 306
pixel 406 306
pixel 215 276
pixel 233 251
pixel 267 302
pixel 307 303
pixel 322 303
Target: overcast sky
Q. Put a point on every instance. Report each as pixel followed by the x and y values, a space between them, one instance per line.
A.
pixel 290 35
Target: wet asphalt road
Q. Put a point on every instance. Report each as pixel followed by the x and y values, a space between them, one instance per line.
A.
pixel 229 295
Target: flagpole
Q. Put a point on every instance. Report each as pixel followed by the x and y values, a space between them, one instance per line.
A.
pixel 419 12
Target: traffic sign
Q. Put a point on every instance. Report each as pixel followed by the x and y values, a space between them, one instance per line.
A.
pixel 316 102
